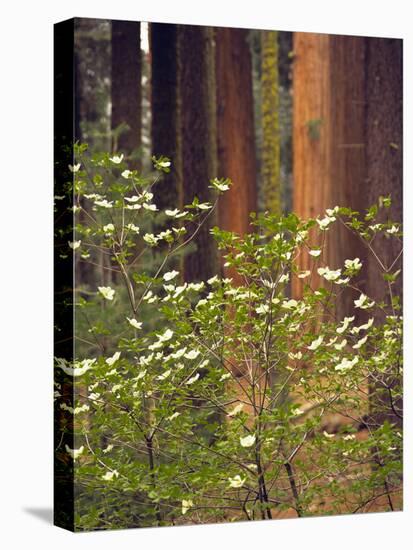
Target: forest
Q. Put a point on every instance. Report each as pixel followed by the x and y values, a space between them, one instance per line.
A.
pixel 228 274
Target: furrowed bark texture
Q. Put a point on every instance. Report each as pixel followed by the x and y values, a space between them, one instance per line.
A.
pixel 348 151
pixel 198 130
pixel 328 139
pixel 384 153
pixel 384 158
pixel 165 110
pixel 235 130
pixel 126 85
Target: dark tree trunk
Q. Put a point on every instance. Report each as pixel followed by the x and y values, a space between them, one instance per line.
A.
pixel 384 131
pixel 198 127
pixel 165 110
pixel 126 85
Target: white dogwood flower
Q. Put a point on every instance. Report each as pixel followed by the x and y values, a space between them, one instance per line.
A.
pixel 167 335
pixel 316 343
pixel 134 323
pixel 74 168
pixel 346 364
pixel 221 186
pixel 360 343
pixel 133 199
pixel 109 228
pixel 237 409
pixel 186 505
pixel 107 292
pixel 392 230
pixel 325 222
pixel 133 227
pixel 151 207
pixel 112 360
pixel 76 410
pixel 342 281
pixel 193 354
pixel 262 309
pixel 315 253
pixel 74 453
pixel 116 159
pixel 165 375
pixel 289 304
pixel 178 354
pixel 110 475
pixel 79 368
pixel 247 441
pixel 103 203
pixel 329 274
pixel 150 239
pixel 297 355
pixel 236 482
pixel 363 302
pixel 353 264
pixel 74 245
pixel 172 213
pixel 170 275
pixel 366 326
pixel 344 325
pixel 341 345
pixel 192 379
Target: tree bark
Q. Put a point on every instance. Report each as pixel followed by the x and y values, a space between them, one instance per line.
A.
pixel 198 131
pixel 165 110
pixel 235 129
pixel 329 140
pixel 384 154
pixel 348 151
pixel 126 86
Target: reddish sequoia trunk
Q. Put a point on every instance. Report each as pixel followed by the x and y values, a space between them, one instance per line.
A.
pixel 235 128
pixel 328 137
pixel 348 151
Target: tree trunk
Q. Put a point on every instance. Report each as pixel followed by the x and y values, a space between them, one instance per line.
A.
pixel 126 86
pixel 235 129
pixel 329 140
pixel 198 130
pixel 348 151
pixel 384 131
pixel 270 164
pixel 165 110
